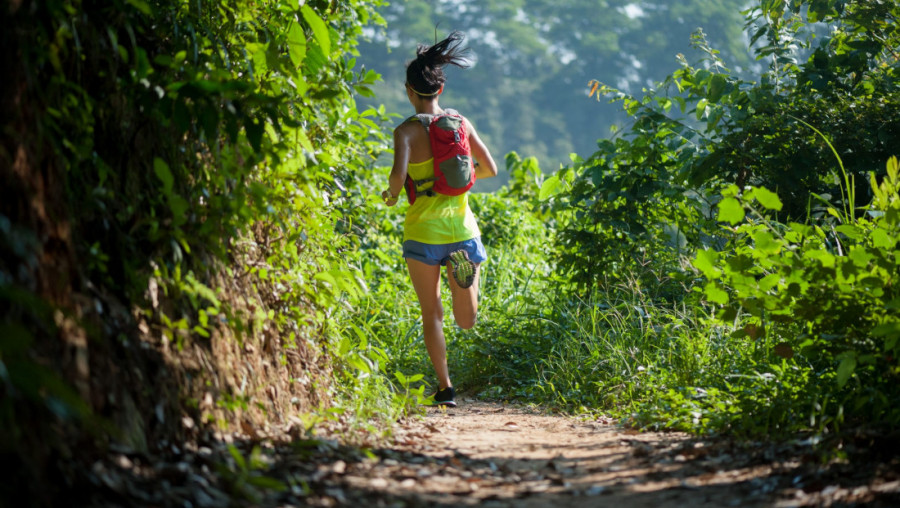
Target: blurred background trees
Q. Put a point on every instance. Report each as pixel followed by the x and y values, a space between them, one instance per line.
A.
pixel 534 58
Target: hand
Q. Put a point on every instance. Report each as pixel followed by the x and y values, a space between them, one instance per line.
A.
pixel 389 199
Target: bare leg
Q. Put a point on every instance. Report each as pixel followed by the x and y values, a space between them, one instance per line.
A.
pixel 465 301
pixel 426 280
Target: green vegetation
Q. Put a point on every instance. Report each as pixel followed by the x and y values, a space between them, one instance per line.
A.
pixel 191 230
pixel 661 280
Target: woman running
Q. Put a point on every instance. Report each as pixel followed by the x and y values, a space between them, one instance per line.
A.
pixel 439 230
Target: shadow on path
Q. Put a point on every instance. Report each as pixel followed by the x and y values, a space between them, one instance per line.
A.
pixel 496 455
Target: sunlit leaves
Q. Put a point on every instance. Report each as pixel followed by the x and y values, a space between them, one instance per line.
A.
pixel 340 280
pixel 320 30
pixel 296 42
pixel 550 188
pixel 715 294
pixel 768 199
pixel 825 258
pixel 701 108
pixel 707 262
pixel 812 280
pixel 258 58
pixel 731 211
pixel 765 244
pixel 835 283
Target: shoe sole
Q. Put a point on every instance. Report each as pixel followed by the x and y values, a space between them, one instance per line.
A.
pixel 446 403
pixel 463 268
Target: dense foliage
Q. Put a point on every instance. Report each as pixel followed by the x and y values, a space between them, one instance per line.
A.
pixel 651 185
pixel 811 273
pixel 724 262
pixel 174 175
pixel 183 174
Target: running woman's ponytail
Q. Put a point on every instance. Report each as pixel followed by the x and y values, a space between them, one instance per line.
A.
pixel 425 74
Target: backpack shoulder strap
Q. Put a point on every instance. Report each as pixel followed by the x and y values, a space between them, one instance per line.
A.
pixel 425 119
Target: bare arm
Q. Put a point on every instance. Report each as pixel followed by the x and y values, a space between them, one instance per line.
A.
pixel 486 167
pixel 402 148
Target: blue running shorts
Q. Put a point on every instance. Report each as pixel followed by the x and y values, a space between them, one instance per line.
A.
pixel 439 254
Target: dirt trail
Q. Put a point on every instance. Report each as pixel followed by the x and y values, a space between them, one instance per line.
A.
pixel 516 456
pixel 499 455
pixel 489 454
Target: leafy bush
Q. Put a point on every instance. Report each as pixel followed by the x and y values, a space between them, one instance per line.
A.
pixel 187 173
pixel 644 199
pixel 794 328
pixel 826 292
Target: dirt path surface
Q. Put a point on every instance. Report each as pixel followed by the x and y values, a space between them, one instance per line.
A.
pixel 499 455
pixel 487 454
pixel 515 456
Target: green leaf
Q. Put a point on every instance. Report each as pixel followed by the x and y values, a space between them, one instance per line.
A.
pixel 769 281
pixel 179 207
pixel 320 30
pixel 238 458
pixel 716 88
pixel 768 199
pixel 845 369
pixel 141 5
pixel 265 482
pixel 706 262
pixel 715 294
pixel 327 277
pixel 860 257
pixel 731 211
pixel 359 364
pixel 257 53
pixel 549 188
pixel 701 108
pixel 303 139
pixel 164 174
pixel 881 239
pixel 823 256
pixel 344 347
pixel 850 230
pixel 891 329
pixel 764 242
pixel 296 42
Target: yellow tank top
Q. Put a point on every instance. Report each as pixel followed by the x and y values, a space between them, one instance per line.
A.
pixel 438 219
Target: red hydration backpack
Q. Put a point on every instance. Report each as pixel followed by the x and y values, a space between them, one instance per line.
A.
pixel 454 172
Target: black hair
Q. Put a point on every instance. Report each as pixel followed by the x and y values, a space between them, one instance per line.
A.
pixel 425 74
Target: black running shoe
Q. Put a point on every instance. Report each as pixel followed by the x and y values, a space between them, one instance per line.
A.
pixel 444 398
pixel 463 268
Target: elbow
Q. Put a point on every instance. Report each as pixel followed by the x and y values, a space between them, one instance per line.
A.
pixel 486 171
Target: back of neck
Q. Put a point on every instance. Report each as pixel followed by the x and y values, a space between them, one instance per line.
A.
pixel 429 108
